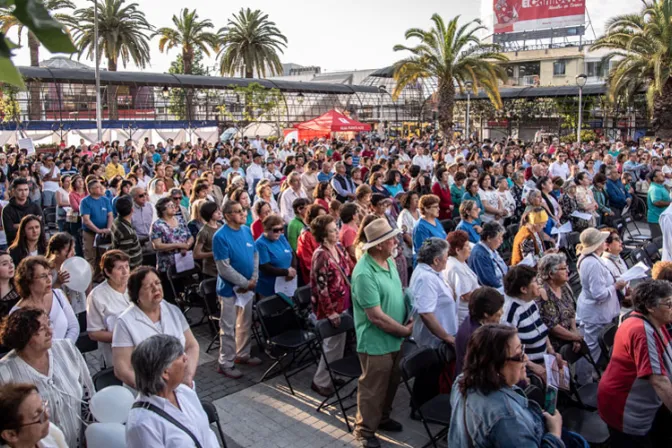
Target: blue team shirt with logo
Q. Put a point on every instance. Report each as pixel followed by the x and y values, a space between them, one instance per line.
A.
pixel 238 247
pixel 97 209
pixel 279 254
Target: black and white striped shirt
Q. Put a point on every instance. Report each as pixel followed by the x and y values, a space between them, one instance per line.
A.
pixel 532 331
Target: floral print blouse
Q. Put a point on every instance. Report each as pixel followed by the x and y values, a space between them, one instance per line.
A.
pixel 330 289
pixel 168 235
pixel 557 311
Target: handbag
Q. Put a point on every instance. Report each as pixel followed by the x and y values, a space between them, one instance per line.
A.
pixel 150 407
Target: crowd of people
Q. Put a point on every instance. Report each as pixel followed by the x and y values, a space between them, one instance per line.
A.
pixel 459 246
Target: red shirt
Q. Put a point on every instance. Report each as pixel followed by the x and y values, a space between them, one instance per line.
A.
pixel 626 400
pixel 305 246
pixel 257 229
pixel 445 201
pixel 368 153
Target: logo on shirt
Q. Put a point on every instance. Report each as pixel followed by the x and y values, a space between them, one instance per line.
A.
pixel 249 245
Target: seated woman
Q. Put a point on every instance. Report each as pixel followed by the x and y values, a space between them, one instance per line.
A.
pixel 33 283
pixel 459 277
pixel 276 259
pixel 107 301
pixel 30 240
pixel 56 367
pixel 61 246
pixel 148 315
pixel 488 409
pixel 25 419
pixel 484 259
pixel 485 307
pixel 469 213
pixel 570 205
pixel 556 302
pixel 471 194
pixel 530 237
pixel 636 382
pixel 159 367
pixel 330 286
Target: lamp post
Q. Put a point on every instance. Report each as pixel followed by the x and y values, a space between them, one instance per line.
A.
pixel 382 89
pixel 469 85
pixel 99 106
pixel 580 81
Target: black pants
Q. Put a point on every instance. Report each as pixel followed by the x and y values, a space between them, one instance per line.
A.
pixel 658 436
pixel 655 230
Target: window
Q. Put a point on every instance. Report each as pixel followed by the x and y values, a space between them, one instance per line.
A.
pixel 595 69
pixel 559 68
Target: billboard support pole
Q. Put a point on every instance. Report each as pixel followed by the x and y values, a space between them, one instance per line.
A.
pixel 580 82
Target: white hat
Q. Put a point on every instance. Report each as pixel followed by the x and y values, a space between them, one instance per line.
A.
pixel 378 231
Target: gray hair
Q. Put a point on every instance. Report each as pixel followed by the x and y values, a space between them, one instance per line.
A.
pixel 431 249
pixel 491 230
pixel 549 263
pixel 533 194
pixel 151 358
pixel 135 191
pixel 338 165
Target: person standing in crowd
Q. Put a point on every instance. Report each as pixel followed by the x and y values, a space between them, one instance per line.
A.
pixel 29 241
pixel 306 244
pixel 211 215
pixel 459 277
pixel 330 290
pixel 74 219
pixel 18 207
pixel 429 225
pixel 96 211
pixel 298 222
pixel 441 189
pixel 255 172
pixel 484 259
pixel 8 293
pixel 350 218
pixel 50 175
pixel 657 200
pixel 124 236
pixel 261 210
pixel 170 236
pixel 291 194
pixel 276 259
pixel 237 262
pixel 62 200
pixel 381 325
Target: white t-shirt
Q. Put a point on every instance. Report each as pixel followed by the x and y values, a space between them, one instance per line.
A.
pixel 133 326
pixel 103 307
pixel 50 185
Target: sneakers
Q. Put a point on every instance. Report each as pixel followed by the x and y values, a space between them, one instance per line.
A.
pixel 391 426
pixel 324 391
pixel 368 442
pixel 251 361
pixel 230 372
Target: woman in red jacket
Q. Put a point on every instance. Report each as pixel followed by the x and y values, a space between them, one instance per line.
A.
pixel 442 190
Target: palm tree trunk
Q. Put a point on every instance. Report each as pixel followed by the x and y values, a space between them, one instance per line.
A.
pixel 446 104
pixel 187 61
pixel 112 108
pixel 35 113
pixel 662 112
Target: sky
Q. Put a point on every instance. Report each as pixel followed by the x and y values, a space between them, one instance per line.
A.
pixel 335 35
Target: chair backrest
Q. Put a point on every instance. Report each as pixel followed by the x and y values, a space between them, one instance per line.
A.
pixel 606 339
pixel 85 344
pixel 536 394
pixel 421 360
pixel 639 255
pixel 276 316
pixel 448 225
pixel 303 297
pixel 569 355
pixel 105 378
pixel 651 251
pixel 210 411
pixel 326 330
pixel 208 290
pixel 658 241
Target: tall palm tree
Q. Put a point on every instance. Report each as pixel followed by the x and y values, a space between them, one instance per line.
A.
pixel 642 47
pixel 9 21
pixel 190 34
pixel 454 55
pixel 251 43
pixel 123 35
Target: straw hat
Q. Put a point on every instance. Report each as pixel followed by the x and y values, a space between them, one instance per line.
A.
pixel 378 231
pixel 591 240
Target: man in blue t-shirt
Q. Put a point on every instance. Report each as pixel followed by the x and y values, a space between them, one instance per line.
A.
pixel 96 212
pixel 238 268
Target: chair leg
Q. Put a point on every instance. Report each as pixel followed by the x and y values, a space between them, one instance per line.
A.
pixel 214 340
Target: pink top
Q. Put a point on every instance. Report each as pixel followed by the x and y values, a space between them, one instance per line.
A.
pixel 75 199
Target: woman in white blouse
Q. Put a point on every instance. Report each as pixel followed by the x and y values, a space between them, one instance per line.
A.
pixel 459 277
pixel 159 365
pixel 148 315
pixel 157 190
pixel 406 221
pixel 584 195
pixel 33 282
pixel 265 193
pixel 505 195
pixel 494 209
pixel 598 304
pixel 107 301
pixel 56 367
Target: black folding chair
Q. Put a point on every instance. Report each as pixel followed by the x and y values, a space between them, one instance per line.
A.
pixel 184 288
pixel 347 367
pixel 652 251
pixel 635 239
pixel 437 410
pixel 638 255
pixel 84 343
pixel 284 336
pixel 534 393
pixel 304 305
pixel 208 291
pixel 105 378
pixel 50 217
pixel 587 424
pixel 448 225
pixel 213 417
pixel 573 238
pixel 585 395
pixel 606 341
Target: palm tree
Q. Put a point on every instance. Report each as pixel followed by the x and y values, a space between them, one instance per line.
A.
pixel 190 34
pixel 122 35
pixel 9 21
pixel 454 56
pixel 642 45
pixel 251 43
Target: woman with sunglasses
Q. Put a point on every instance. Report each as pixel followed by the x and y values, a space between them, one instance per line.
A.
pixel 276 258
pixel 488 408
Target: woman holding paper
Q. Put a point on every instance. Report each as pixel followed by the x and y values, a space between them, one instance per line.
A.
pixel 530 237
pixel 277 262
pixel 585 197
pixel 148 315
pixel 569 206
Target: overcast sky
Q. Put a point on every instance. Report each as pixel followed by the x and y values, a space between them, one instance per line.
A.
pixel 335 35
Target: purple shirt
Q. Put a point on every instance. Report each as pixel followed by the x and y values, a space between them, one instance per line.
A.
pixel 462 340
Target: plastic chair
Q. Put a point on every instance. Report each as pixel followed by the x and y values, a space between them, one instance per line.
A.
pixel 105 378
pixel 436 410
pixel 213 417
pixel 347 367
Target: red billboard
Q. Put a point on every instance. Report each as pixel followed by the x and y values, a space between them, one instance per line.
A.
pixel 527 15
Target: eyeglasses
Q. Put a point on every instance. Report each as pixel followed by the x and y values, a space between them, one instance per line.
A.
pixel 142 195
pixel 667 304
pixel 278 229
pixel 177 198
pixel 42 418
pixel 519 357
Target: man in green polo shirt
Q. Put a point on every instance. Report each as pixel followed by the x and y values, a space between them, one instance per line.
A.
pixel 380 312
pixel 658 198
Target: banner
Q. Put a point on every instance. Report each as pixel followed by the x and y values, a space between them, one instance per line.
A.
pixel 528 15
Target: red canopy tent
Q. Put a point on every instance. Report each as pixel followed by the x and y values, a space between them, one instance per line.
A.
pixel 332 121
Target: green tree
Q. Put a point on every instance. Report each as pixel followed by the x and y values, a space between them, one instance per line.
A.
pixel 452 54
pixel 123 34
pixel 251 43
pixel 178 97
pixel 641 49
pixel 189 34
pixel 260 103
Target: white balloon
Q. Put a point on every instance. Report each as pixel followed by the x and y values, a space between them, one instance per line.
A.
pixel 106 435
pixel 80 273
pixel 112 404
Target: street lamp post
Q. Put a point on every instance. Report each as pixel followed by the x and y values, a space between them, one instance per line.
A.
pixel 469 85
pixel 382 89
pixel 581 82
pixel 99 107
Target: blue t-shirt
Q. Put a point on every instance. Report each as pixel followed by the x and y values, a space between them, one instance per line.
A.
pixel 238 247
pixel 324 177
pixel 468 227
pixel 97 209
pixel 279 254
pixel 656 193
pixel 424 230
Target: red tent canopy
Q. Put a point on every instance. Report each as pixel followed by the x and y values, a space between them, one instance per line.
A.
pixel 333 121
